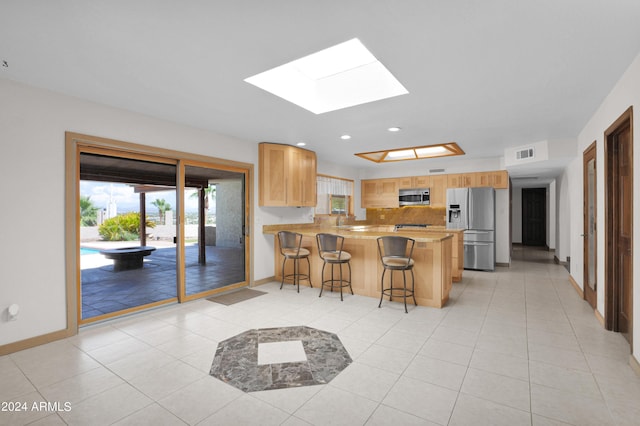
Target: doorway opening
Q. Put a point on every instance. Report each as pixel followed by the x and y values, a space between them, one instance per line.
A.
pixel 534 216
pixel 149 226
pixel 618 140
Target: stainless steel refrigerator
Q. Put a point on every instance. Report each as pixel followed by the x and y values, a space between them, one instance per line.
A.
pixel 473 209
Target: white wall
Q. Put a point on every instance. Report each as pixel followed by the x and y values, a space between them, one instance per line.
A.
pixel 625 93
pixel 574 176
pixel 503 253
pixel 516 215
pixel 229 212
pixel 563 242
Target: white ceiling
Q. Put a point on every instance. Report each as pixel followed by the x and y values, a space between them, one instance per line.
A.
pixel 487 74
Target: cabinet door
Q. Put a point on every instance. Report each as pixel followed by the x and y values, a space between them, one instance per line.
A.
pixel 469 180
pixel 273 173
pixel 455 180
pixel 421 181
pixel 438 193
pixel 287 176
pixel 411 182
pixel 498 179
pixel 301 181
pixel 389 192
pixel 295 178
pixel 368 193
pixel 405 182
pixel 461 180
pixel 378 193
pixel 309 176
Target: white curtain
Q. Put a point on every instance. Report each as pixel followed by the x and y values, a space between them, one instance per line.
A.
pixel 326 187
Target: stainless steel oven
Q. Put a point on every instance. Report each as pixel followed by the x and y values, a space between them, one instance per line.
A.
pixel 414 197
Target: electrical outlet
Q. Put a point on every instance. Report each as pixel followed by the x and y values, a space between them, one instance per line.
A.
pixel 381 216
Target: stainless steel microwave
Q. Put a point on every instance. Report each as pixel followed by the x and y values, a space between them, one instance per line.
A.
pixel 414 197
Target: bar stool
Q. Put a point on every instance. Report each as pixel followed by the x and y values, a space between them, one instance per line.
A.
pixel 395 255
pixel 330 251
pixel 291 248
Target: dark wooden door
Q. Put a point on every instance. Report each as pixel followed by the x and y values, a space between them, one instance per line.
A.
pixel 589 226
pixel 534 216
pixel 619 151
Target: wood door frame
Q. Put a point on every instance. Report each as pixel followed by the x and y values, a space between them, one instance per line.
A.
pixel 587 154
pixel 76 143
pixel 611 309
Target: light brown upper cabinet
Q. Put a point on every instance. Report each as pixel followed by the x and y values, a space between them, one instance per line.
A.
pixel 410 182
pixel 379 193
pixel 287 176
pixel 461 180
pixel 499 179
pixel 438 191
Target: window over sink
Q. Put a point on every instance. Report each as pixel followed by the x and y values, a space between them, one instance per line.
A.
pixel 335 196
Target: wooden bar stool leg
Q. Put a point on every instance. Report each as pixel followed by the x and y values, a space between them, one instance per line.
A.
pixel 404 277
pixel 309 272
pixel 413 288
pixel 322 279
pixel 382 288
pixel 340 281
pixel 284 261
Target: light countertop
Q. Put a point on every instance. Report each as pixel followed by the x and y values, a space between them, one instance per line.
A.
pixel 434 234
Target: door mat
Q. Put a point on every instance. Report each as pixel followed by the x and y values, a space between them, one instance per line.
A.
pixel 236 296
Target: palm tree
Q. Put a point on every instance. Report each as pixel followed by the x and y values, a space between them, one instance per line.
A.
pixel 88 211
pixel 162 206
pixel 209 193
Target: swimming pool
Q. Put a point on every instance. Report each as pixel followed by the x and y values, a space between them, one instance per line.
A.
pixel 84 250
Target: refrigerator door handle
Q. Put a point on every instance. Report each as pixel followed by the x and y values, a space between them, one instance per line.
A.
pixel 470 208
pixel 475 244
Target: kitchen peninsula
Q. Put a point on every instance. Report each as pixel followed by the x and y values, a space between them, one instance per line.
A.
pixel 432 255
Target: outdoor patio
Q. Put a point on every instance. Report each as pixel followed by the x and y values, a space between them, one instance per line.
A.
pixel 105 291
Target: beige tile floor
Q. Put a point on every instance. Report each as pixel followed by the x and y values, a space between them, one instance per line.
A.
pixel 513 347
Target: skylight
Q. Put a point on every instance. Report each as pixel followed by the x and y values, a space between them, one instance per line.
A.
pixel 415 153
pixel 338 77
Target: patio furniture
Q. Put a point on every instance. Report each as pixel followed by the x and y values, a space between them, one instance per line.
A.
pixel 127 258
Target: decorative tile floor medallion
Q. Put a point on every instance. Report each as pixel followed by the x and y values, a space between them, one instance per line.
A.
pixel 236 360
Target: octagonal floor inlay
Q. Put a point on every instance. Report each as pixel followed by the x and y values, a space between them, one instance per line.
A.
pixel 236 359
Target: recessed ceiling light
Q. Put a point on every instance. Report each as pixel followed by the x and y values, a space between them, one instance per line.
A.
pixel 338 77
pixel 394 129
pixel 413 153
pixel 345 137
pixel 301 144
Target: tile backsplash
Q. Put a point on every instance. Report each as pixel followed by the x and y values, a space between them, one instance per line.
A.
pixel 434 216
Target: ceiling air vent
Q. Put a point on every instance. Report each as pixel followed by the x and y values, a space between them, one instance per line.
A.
pixel 524 154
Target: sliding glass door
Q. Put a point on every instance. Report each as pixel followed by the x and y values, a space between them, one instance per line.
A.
pixel 213 229
pixel 154 227
pixel 127 234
